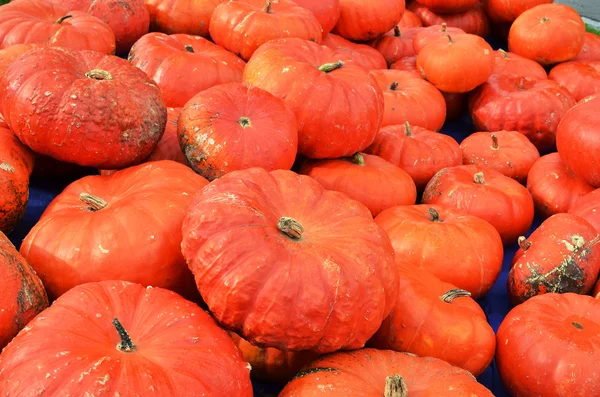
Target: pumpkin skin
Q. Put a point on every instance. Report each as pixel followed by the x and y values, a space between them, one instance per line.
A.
pixel 243 26
pixel 201 358
pixel 558 26
pixel 432 318
pixel 267 229
pixel 368 179
pixel 418 151
pixel 167 60
pixel 23 294
pixel 365 56
pixel 579 78
pixel 507 63
pixel 289 69
pixel 588 207
pixel 473 21
pixel 407 64
pixel 508 152
pixel 454 246
pixel 327 12
pixel 411 99
pixel 233 127
pixel 591 48
pixel 7 55
pixel 509 10
pixel 531 106
pixel 114 115
pixel 94 238
pixel 554 187
pixel 429 34
pixel 362 20
pixel 36 21
pixel 471 57
pixel 376 373
pixel 395 44
pixel 181 16
pixel 577 139
pixel 448 6
pixel 410 20
pixel 485 193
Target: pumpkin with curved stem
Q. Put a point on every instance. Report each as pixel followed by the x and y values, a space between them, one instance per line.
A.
pixel 327 12
pixel 395 44
pixel 251 233
pixel 168 59
pixel 410 20
pixel 23 294
pixel 368 179
pixel 362 20
pixel 408 98
pixel 473 21
pixel 454 246
pixel 558 26
pixel 233 127
pixel 345 108
pixel 181 16
pixel 429 34
pixel 135 213
pixel 98 332
pixel 485 193
pixel 588 207
pixel 420 322
pixel 507 63
pixel 39 22
pixel 448 6
pixel 376 373
pixel 591 48
pixel 365 56
pixel 508 152
pixel 501 11
pixel 579 78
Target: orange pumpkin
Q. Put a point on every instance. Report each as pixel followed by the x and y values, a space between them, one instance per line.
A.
pixel 429 34
pixel 506 11
pixel 362 20
pixel 588 207
pixel 473 21
pixel 579 78
pixel 410 20
pixel 509 64
pixel 327 12
pixel 396 44
pixel 591 48
pixel 181 16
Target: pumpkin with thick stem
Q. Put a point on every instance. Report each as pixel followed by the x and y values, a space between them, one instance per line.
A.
pixel 588 207
pixel 364 55
pixel 473 21
pixel 40 22
pixel 420 322
pixel 233 127
pixel 590 50
pixel 285 263
pixel 560 256
pixel 23 294
pixel 410 20
pixel 506 11
pixel 98 333
pixel 181 16
pixel 369 179
pixel 377 373
pixel 485 193
pixel 431 33
pixel 362 20
pixel 395 44
pixel 507 63
pixel 454 246
pixel 135 213
pixel 579 78
pixel 167 60
pixel 327 12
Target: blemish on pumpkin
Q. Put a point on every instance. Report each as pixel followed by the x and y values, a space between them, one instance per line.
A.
pixel 6 167
pixel 311 371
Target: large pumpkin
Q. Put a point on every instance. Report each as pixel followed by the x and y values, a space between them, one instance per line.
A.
pixel 362 20
pixel 327 12
pixel 181 16
pixel 169 59
pixel 473 21
pixel 510 64
pixel 337 103
pixel 506 11
pixel 96 110
pixel 395 44
pixel 23 294
pixel 591 48
pixel 126 226
pixel 287 264
pixel 233 127
pixel 119 338
pixel 579 78
pixel 546 347
pixel 588 207
pixel 40 22
pixel 364 55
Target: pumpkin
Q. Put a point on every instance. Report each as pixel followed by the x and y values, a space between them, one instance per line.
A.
pixel 364 55
pixel 554 187
pixel 7 55
pixel 407 64
pixel 508 10
pixel 430 34
pixel 345 108
pixel 588 207
pixel 233 127
pixel 473 21
pixel 533 107
pixel 452 245
pixel 410 20
pixel 368 179
pixel 243 26
pixel 97 110
pixel 181 16
pixel 578 140
pixel 558 26
pixel 471 57
pixel 272 365
pixel 128 19
pixel 591 48
pixel 23 295
pixel 432 318
pixel 408 98
pixel 39 22
pixel 485 193
pixel 508 152
pixel 579 78
pixel 376 373
pixel 456 105
pixel 123 339
pixel 449 6
pixel 327 12
pixel 507 63
pixel 285 263
pixel 418 151
pixel 167 60
pixel 362 20
pixel 135 213
pixel 395 44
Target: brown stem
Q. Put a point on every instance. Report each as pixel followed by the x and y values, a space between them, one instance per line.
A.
pixel 544 20
pixel 479 178
pixel 397 32
pixel 577 325
pixel 434 215
pixel 394 86
pixel 330 67
pixel 495 142
pixel 126 345
pixel 94 202
pixel 450 39
pixel 408 129
pixel 98 74
pixel 503 53
pixel 449 296
pixel 245 122
pixel 444 27
pixel 189 48
pixel 291 227
pixel 523 243
pixel 267 7
pixel 61 19
pixel 395 386
pixel 358 159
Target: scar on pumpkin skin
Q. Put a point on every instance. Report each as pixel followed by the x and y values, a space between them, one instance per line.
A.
pixel 311 371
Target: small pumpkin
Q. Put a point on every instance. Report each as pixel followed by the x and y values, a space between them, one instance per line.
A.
pixel 508 10
pixel 181 16
pixel 363 20
pixel 591 48
pixel 507 63
pixel 364 55
pixel 410 20
pixel 432 33
pixel 395 44
pixel 473 21
pixel 588 207
pixel 579 78
pixel 327 12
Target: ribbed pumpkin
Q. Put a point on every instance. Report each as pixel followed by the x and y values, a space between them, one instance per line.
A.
pixel 432 33
pixel 506 11
pixel 396 44
pixel 362 20
pixel 591 48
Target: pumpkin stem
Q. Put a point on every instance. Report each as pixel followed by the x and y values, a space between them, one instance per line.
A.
pixel 395 386
pixel 444 27
pixel 358 159
pixel 394 86
pixel 495 142
pixel 408 129
pixel 479 178
pixel 98 74
pixel 61 19
pixel 330 67
pixel 435 216
pixel 189 48
pixel 450 39
pixel 290 227
pixel 94 202
pixel 126 345
pixel 545 19
pixel 503 53
pixel 397 32
pixel 523 243
pixel 577 325
pixel 244 122
pixel 267 7
pixel 449 296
